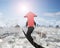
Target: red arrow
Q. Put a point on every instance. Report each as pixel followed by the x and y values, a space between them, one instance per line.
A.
pixel 30 18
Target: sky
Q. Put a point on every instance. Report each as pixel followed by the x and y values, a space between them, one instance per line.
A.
pixel 12 12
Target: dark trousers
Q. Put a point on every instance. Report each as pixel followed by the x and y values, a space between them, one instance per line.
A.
pixel 30 30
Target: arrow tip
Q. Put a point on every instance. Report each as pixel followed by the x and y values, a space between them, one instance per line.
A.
pixel 30 14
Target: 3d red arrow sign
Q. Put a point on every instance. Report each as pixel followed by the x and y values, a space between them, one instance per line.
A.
pixel 30 18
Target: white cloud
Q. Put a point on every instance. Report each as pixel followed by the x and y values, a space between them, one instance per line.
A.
pixel 1 20
pixel 58 13
pixel 49 14
pixel 2 23
pixel 16 20
pixel 58 23
pixel 43 21
pixel 53 14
